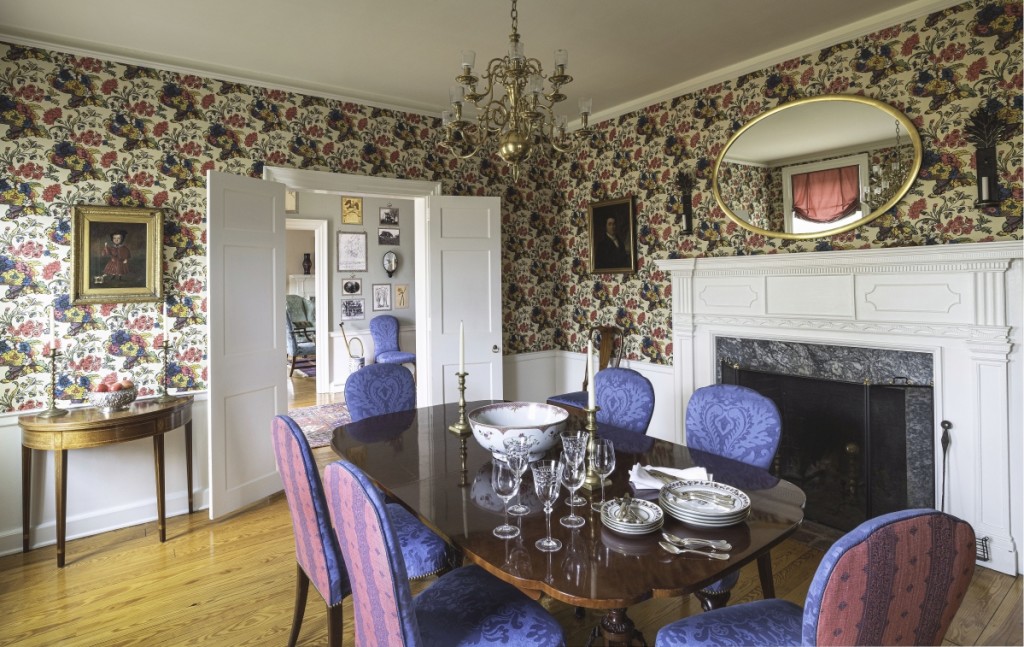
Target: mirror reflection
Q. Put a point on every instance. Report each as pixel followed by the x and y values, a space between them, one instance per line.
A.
pixel 817 166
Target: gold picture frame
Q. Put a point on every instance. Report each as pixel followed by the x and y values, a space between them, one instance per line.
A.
pixel 116 254
pixel 612 236
pixel 351 210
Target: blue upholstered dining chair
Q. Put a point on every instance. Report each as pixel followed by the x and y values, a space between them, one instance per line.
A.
pixel 738 423
pixel 466 606
pixel 316 546
pixel 897 579
pixel 735 422
pixel 625 399
pixel 378 389
pixel 384 331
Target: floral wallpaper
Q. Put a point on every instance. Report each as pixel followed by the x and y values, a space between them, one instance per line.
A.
pixel 79 130
pixel 754 192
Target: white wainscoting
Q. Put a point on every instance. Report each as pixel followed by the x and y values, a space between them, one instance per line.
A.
pixel 108 487
pixel 533 377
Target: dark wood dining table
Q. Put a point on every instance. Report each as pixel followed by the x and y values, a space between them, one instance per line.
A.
pixel 445 480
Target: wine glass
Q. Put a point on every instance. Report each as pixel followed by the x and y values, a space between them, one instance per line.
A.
pixel 517 453
pixel 574 443
pixel 547 481
pixel 573 475
pixel 603 461
pixel 505 481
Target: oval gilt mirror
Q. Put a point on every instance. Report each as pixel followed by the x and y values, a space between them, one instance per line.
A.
pixel 817 167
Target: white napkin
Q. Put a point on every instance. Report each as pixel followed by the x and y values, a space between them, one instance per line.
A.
pixel 641 480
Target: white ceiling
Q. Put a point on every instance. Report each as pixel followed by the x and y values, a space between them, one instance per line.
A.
pixel 405 53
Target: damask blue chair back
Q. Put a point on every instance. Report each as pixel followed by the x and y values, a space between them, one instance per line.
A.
pixel 378 389
pixel 467 606
pixel 384 331
pixel 735 422
pixel 896 579
pixel 625 399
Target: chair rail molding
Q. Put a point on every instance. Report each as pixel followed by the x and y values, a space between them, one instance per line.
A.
pixel 960 303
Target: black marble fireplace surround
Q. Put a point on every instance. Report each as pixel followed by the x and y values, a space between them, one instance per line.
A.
pixel 857 432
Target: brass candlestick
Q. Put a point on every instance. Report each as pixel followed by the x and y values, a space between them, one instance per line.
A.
pixel 53 411
pixel 593 480
pixel 164 395
pixel 463 452
pixel 461 427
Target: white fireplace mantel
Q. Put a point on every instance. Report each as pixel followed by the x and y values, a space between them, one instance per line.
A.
pixel 961 303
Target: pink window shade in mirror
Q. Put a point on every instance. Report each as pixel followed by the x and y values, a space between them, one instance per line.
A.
pixel 826 196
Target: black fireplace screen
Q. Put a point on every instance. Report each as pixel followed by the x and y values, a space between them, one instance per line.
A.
pixel 856 450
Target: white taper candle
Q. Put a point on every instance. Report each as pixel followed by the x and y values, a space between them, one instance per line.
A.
pixel 591 396
pixel 462 348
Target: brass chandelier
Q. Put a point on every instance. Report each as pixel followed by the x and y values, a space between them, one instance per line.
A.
pixel 513 109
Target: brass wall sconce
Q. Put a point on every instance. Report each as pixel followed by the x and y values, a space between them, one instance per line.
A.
pixel 390 263
pixel 984 130
pixel 685 183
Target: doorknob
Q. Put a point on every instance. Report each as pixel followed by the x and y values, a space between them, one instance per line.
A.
pixel 494 348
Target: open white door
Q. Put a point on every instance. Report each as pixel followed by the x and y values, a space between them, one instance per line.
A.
pixel 248 386
pixel 463 284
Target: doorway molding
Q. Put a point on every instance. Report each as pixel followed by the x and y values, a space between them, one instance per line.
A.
pixel 418 191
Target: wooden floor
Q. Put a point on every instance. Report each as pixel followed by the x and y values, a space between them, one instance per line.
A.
pixel 232 583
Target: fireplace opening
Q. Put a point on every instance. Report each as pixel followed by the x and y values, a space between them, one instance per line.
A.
pixel 857 450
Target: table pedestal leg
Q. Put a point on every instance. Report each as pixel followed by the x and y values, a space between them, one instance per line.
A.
pixel 26 495
pixel 158 456
pixel 764 571
pixel 60 493
pixel 617 628
pixel 712 601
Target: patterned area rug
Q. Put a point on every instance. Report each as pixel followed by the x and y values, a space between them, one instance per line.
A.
pixel 305 368
pixel 319 422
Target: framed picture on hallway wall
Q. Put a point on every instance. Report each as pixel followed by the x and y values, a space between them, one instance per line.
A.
pixel 351 251
pixel 381 296
pixel 116 254
pixel 351 210
pixel 612 237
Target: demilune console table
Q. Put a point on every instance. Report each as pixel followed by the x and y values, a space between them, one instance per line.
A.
pixel 90 427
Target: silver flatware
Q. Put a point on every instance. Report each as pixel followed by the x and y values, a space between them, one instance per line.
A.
pixel 690 542
pixel 676 550
pixel 724 500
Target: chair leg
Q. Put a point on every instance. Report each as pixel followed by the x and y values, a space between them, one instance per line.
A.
pixel 335 625
pixel 295 358
pixel 301 589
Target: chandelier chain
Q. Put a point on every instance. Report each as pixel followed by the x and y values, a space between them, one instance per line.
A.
pixel 515 18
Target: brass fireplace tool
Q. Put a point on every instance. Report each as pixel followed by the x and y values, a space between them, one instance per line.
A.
pixel 53 411
pixel 164 395
pixel 461 427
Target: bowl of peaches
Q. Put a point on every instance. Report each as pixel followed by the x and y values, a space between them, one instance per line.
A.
pixel 113 396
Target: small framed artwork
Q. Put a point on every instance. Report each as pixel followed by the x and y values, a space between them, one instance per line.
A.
pixel 389 216
pixel 401 296
pixel 612 238
pixel 388 236
pixel 381 296
pixel 351 210
pixel 351 251
pixel 352 309
pixel 116 254
pixel 352 286
pixel 291 201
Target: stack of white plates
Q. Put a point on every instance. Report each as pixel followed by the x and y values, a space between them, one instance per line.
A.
pixel 705 504
pixel 644 517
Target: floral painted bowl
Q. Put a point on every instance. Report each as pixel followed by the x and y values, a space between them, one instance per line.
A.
pixel 493 423
pixel 109 401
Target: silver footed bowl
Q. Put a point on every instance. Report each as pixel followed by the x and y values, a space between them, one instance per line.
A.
pixel 109 401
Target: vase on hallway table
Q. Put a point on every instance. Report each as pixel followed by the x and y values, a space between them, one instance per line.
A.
pixel 307 264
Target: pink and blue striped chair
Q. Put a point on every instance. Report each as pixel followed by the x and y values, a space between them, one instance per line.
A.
pixel 897 579
pixel 317 552
pixel 738 423
pixel 464 607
